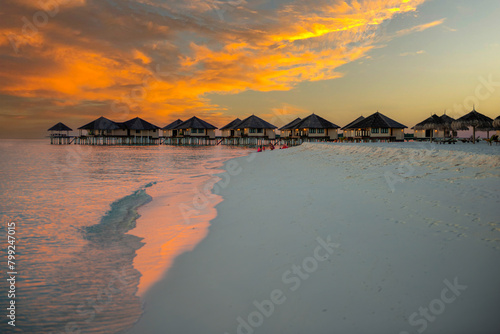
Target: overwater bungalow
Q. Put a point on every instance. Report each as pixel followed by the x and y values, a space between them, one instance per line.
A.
pixel 195 127
pixel 379 127
pixel 315 127
pixel 60 130
pixel 103 131
pixel 137 127
pixel 98 132
pixel 255 127
pixel 287 131
pixel 350 130
pixel 99 127
pixel 59 134
pixel 170 131
pixel 229 130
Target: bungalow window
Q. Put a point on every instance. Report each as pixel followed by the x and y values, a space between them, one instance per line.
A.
pixel 252 130
pixel 194 130
pixel 374 130
pixel 137 131
pixel 384 130
pixel 321 130
pixel 260 130
pixel 201 130
pixel 312 130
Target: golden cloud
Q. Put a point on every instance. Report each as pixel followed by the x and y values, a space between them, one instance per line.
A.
pixel 300 42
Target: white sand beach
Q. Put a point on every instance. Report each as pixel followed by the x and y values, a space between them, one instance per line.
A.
pixel 343 238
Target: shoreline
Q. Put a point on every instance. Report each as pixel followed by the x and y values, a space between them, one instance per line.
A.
pixel 260 268
pixel 177 219
pixel 177 234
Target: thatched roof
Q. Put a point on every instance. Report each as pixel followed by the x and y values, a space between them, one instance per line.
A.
pixel 291 125
pixel 447 119
pixel 60 127
pixel 231 125
pixel 433 122
pixel 172 125
pixel 195 123
pixel 495 125
pixel 496 122
pixel 352 125
pixel 474 119
pixel 377 120
pixel 254 122
pixel 102 123
pixel 314 121
pixel 138 124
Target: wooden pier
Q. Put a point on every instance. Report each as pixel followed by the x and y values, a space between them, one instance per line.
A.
pixel 248 141
pixel 61 140
pixel 189 141
pixel 116 140
pixel 179 141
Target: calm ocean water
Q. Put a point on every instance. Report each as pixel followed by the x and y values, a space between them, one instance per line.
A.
pixel 79 263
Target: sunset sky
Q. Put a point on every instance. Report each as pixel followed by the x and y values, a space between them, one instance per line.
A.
pixel 75 60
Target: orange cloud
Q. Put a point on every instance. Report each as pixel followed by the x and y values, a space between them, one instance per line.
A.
pixel 51 5
pixel 111 58
pixel 77 74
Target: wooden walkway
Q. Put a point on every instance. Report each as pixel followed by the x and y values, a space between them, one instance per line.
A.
pixel 180 141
